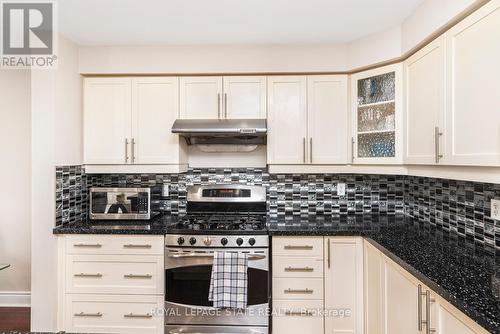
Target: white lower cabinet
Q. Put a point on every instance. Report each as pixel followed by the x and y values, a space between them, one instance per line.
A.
pixel 397 302
pixel 313 298
pixel 89 313
pixel 111 284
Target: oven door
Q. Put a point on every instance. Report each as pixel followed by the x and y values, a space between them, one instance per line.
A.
pixel 187 282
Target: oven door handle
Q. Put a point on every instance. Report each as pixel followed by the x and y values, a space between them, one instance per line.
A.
pixel 180 331
pixel 251 257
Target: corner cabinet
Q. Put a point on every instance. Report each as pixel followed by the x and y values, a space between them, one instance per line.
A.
pixel 377 117
pixel 127 122
pixel 397 302
pixel 307 120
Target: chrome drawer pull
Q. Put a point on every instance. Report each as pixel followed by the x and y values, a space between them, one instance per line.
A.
pixel 98 275
pixel 88 245
pixel 136 246
pixel 137 276
pixel 306 247
pixel 307 291
pixel 132 315
pixel 81 314
pixel 305 269
pixel 298 313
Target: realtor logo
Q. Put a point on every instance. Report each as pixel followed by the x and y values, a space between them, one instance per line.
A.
pixel 27 34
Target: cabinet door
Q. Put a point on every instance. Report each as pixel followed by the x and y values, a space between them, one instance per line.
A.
pixel 425 104
pixel 244 97
pixel 452 321
pixel 377 118
pixel 327 119
pixel 473 115
pixel 374 290
pixel 401 301
pixel 155 107
pixel 107 120
pixel 201 97
pixel 286 120
pixel 344 285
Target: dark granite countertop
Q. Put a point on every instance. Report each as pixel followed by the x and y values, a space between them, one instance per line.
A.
pixel 464 272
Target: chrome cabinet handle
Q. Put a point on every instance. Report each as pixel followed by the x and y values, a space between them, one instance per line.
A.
pixel 420 321
pixel 218 106
pixel 437 149
pixel 305 269
pixel 98 275
pixel 304 247
pixel 305 291
pixel 304 150
pixel 298 313
pixel 133 150
pixel 225 105
pixel 148 276
pixel 352 149
pixel 88 245
pixel 428 300
pixel 328 258
pixel 310 150
pixel 81 314
pixel 132 315
pixel 126 150
pixel 136 246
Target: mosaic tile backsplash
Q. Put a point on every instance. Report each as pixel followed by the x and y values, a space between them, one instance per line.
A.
pixel 461 207
pixel 458 206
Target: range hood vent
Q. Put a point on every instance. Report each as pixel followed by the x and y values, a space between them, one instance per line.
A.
pixel 222 131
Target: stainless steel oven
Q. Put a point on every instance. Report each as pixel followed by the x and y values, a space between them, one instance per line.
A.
pixel 187 277
pixel 120 203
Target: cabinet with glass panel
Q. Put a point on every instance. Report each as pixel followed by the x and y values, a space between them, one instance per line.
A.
pixel 377 116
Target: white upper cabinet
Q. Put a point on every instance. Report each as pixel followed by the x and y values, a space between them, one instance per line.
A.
pixel 473 113
pixel 327 111
pixel 244 97
pixel 425 104
pixel 308 125
pixel 286 122
pixel 107 119
pixel 201 97
pixel 128 120
pixel 155 107
pixel 377 118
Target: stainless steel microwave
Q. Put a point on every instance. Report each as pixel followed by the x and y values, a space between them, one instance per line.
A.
pixel 120 203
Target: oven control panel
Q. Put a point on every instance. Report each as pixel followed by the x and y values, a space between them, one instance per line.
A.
pixel 217 241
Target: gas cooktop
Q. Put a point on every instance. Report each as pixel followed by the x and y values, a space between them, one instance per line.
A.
pixel 220 223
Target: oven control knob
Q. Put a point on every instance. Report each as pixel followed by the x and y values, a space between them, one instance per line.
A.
pixel 223 241
pixel 239 241
pixel 192 240
pixel 251 241
pixel 180 240
pixel 207 241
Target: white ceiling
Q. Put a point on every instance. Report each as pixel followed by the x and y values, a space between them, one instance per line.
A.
pixel 189 22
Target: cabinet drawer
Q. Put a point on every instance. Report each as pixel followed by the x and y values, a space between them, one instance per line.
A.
pixel 298 246
pixel 115 244
pixel 131 274
pixel 298 289
pixel 284 266
pixel 297 317
pixel 113 314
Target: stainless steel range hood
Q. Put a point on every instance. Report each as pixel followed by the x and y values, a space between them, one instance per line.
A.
pixel 223 131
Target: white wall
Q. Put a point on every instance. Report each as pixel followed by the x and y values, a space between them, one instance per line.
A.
pixel 386 45
pixel 56 103
pixel 430 16
pixel 15 202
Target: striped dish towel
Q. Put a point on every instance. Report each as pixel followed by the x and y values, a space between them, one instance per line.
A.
pixel 229 282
